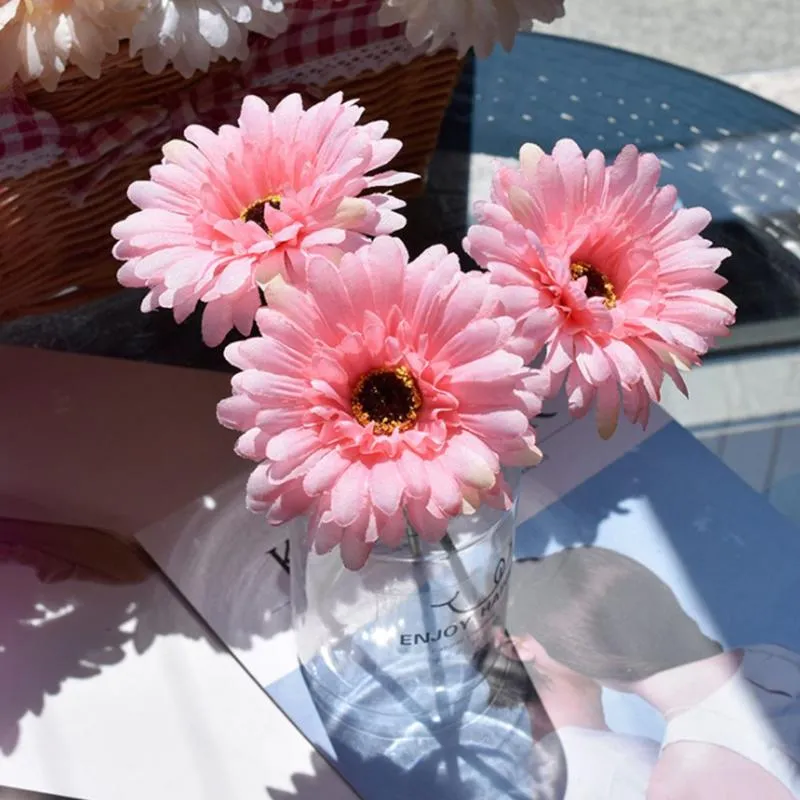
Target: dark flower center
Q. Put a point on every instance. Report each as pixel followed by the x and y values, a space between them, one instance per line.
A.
pixel 597 283
pixel 389 398
pixel 255 211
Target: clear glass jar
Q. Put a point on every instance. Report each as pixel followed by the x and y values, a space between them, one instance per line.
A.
pixel 404 645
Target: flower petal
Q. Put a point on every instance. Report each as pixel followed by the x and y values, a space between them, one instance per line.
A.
pixel 349 494
pixel 386 487
pixel 415 478
pixel 324 474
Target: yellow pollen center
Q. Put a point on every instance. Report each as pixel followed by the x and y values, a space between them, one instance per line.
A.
pixel 597 283
pixel 255 211
pixel 388 398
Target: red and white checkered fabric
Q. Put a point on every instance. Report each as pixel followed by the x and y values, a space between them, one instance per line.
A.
pixel 319 29
pixel 325 39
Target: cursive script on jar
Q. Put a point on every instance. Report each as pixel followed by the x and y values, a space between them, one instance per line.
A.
pixel 475 618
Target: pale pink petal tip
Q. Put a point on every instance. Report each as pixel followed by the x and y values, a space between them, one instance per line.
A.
pixel 602 272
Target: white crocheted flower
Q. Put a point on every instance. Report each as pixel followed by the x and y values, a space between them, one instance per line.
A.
pixel 39 38
pixel 192 34
pixel 471 23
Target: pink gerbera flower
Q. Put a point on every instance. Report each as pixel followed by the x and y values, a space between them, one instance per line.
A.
pixel 600 268
pixel 225 213
pixel 383 391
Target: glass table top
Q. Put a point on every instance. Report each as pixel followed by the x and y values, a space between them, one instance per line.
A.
pixel 728 150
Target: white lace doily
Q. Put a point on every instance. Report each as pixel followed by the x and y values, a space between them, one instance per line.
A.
pixel 36 137
pixel 18 166
pixel 375 57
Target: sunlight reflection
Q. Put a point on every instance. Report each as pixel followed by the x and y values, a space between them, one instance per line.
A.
pixel 48 614
pixel 382 637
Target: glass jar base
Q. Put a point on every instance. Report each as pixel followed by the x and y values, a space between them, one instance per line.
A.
pixel 429 694
pixel 440 743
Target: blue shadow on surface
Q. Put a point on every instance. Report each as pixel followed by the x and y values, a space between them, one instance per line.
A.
pixel 732 549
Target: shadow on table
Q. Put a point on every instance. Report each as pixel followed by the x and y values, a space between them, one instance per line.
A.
pixel 441 214
pixel 322 782
pixel 390 781
pixel 6 793
pixel 449 761
pixel 115 327
pixel 763 280
pixel 73 599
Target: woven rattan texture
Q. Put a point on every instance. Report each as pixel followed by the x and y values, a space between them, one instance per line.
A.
pixel 55 253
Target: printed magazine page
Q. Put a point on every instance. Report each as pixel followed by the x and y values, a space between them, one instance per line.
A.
pixel 652 645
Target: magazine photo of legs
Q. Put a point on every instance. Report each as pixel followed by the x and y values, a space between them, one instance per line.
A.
pixel 567 718
pixel 589 620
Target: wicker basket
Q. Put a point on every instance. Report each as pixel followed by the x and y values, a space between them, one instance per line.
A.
pixel 55 253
